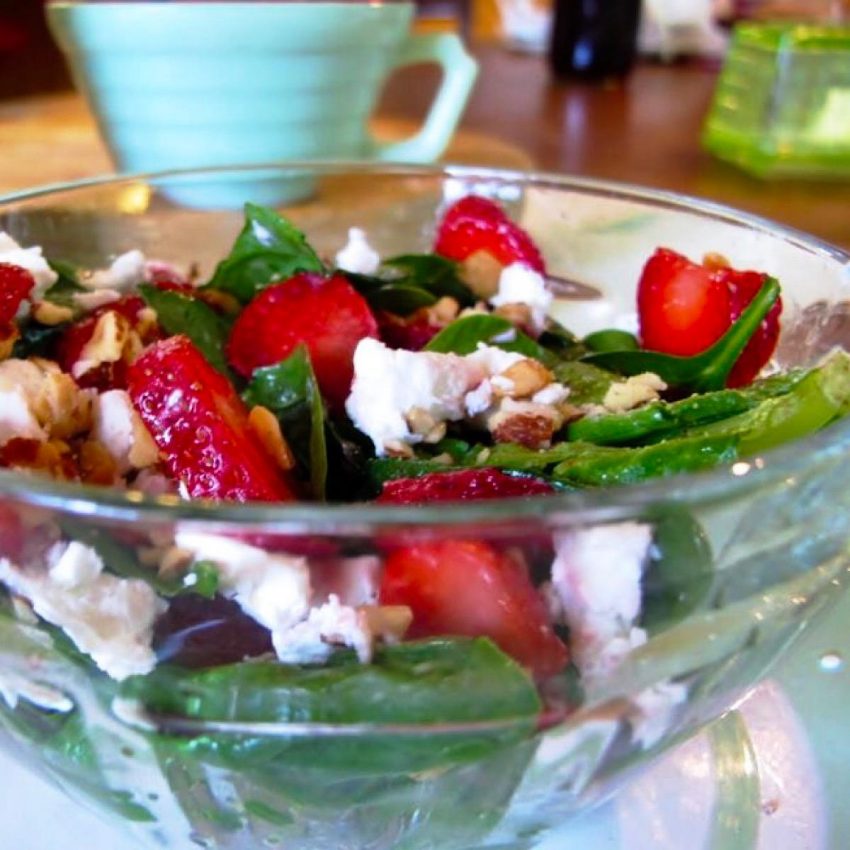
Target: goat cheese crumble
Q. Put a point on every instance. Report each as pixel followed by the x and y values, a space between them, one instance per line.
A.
pixel 358 256
pixel 108 618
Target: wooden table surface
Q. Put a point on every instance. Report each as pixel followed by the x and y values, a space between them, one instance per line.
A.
pixel 645 130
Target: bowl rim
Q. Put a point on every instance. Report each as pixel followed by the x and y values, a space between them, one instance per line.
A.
pixel 569 508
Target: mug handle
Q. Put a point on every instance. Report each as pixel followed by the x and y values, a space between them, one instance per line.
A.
pixel 459 73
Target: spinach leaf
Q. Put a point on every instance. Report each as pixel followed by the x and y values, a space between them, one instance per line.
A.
pixel 588 383
pixel 409 282
pixel 703 372
pixel 269 248
pixel 436 274
pixel 290 391
pixel 563 343
pixel 464 335
pixel 611 339
pixel 66 286
pixel 680 571
pixel 37 340
pixel 665 419
pixel 423 682
pixel 181 314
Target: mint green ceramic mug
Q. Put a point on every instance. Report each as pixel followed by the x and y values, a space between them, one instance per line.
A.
pixel 185 84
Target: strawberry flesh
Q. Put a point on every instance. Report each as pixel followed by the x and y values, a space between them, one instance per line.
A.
pixel 468 587
pixel 326 314
pixel 475 224
pixel 201 426
pixel 461 485
pixel 16 283
pixel 684 308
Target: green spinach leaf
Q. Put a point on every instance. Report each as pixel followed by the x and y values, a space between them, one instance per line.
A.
pixel 268 249
pixel 703 372
pixel 181 314
pixel 289 390
pixel 464 335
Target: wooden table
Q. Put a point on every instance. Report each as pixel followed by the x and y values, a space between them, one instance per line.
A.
pixel 645 131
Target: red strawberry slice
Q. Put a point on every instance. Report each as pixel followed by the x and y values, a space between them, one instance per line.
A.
pixel 468 587
pixel 16 283
pixel 324 313
pixel 684 308
pixel 201 426
pixel 475 224
pixel 461 485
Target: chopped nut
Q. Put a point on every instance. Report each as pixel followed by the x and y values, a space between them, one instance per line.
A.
pixel 265 425
pixel 397 448
pixel 110 335
pixel 218 300
pixel 174 560
pixel 52 397
pixel 714 261
pixel 53 458
pixel 389 622
pixel 480 272
pixel 528 377
pixel 529 424
pixel 49 313
pixel 420 421
pixel 435 434
pixel 519 315
pixel 9 335
pixel 633 392
pixel 445 310
pixel 96 464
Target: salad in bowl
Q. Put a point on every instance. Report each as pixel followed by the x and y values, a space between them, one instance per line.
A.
pixel 416 514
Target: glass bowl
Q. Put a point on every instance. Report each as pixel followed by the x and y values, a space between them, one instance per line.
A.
pixel 452 752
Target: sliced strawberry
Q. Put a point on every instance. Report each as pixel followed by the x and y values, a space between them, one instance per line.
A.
pixel 684 308
pixel 467 587
pixel 475 224
pixel 12 534
pixel 16 283
pixel 461 485
pixel 744 286
pixel 326 314
pixel 201 426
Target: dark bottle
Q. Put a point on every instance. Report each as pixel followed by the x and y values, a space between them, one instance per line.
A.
pixel 594 39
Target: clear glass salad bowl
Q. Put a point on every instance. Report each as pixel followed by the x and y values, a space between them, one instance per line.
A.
pixel 455 751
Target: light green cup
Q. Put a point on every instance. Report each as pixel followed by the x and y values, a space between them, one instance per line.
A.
pixel 186 84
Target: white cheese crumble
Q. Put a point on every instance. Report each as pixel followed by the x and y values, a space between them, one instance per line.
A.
pixel 390 383
pixel 633 392
pixel 126 272
pixel 108 618
pixel 354 581
pixel 32 260
pixel 597 574
pixel 519 284
pixel 14 687
pixel 120 429
pixel 596 580
pixel 312 641
pixel 272 588
pixel 90 301
pixel 358 256
pixel 16 418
